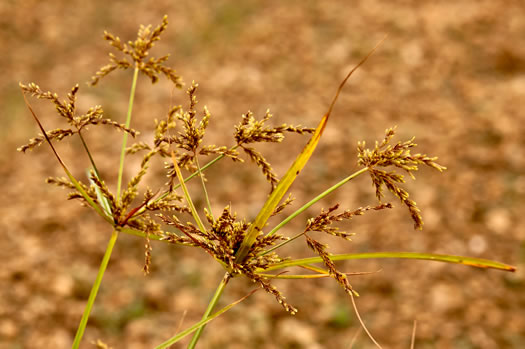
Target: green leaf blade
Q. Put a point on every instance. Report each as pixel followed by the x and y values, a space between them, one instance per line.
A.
pixel 470 261
pixel 281 189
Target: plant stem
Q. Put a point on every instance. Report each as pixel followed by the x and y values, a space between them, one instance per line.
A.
pixel 185 180
pixel 204 187
pixel 194 212
pixel 125 136
pixel 102 199
pixel 317 198
pixel 209 309
pixel 307 205
pixel 94 290
pixel 89 155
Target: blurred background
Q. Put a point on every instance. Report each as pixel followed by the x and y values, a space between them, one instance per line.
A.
pixel 451 73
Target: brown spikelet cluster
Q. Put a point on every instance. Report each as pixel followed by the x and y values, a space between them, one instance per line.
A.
pixel 67 110
pixel 289 200
pixel 251 130
pixel 386 155
pixel 188 141
pixel 185 143
pixel 323 223
pixel 138 52
pixel 66 183
pixel 320 249
pixel 223 239
pixel 271 289
pixel 169 201
pixel 147 255
pixel 101 186
pixel 131 191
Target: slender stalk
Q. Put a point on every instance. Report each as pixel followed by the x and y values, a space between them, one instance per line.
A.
pixel 317 198
pixel 89 154
pixel 94 290
pixel 185 180
pixel 194 212
pixel 209 309
pixel 306 206
pixel 125 136
pixel 204 187
pixel 281 244
pixel 102 199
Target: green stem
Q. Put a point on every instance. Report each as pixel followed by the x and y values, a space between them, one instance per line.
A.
pixel 209 309
pixel 94 290
pixel 204 187
pixel 281 244
pixel 317 198
pixel 185 180
pixel 125 136
pixel 193 210
pixel 89 154
pixel 90 201
pixel 102 199
pixel 307 205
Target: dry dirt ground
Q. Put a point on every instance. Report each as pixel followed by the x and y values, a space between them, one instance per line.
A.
pixel 451 73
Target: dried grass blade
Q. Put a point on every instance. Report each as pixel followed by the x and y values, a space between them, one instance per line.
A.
pixel 292 173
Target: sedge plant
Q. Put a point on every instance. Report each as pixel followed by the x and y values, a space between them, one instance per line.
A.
pixel 243 248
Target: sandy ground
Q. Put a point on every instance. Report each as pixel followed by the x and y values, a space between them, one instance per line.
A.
pixel 451 73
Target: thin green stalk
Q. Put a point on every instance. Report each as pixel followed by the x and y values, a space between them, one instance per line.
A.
pixel 94 290
pixel 102 199
pixel 89 154
pixel 90 201
pixel 193 210
pixel 209 309
pixel 125 136
pixel 136 232
pixel 185 180
pixel 306 206
pixel 281 244
pixel 204 187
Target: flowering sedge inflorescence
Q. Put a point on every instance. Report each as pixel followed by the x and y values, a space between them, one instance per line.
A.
pixel 178 138
pixel 385 155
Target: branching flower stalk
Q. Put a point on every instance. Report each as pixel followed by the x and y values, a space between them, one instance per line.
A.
pixel 243 248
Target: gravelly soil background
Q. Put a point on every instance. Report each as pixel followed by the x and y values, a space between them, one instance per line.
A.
pixel 451 73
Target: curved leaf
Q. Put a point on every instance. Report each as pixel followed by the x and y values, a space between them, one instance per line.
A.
pixel 470 261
